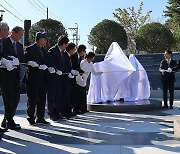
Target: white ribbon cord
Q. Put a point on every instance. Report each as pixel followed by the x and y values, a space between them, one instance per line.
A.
pixel 2 66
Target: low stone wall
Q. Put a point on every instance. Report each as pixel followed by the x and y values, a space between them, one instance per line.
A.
pixel 177 128
pixel 159 94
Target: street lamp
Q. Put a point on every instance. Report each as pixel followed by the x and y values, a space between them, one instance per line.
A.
pixel 1 17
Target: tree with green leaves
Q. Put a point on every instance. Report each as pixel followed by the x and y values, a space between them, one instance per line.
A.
pixel 53 28
pixel 154 38
pixel 132 21
pixel 106 32
pixel 173 22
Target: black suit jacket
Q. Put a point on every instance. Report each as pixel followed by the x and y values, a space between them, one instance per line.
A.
pixel 35 75
pixel 164 66
pixel 67 62
pixel 76 62
pixel 55 60
pixel 8 49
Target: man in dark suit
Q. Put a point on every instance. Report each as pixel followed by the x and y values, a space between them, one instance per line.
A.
pixel 78 92
pixel 4 29
pixel 55 61
pixel 67 81
pixel 10 77
pixel 36 79
pixel 167 69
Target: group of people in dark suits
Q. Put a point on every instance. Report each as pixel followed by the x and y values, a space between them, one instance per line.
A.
pixel 50 74
pixel 168 67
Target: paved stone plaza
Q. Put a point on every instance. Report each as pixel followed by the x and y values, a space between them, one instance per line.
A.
pixel 148 132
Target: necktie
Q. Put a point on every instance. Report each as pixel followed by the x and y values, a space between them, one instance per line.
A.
pixel 15 47
pixel 62 59
pixel 79 60
pixel 41 52
pixel 169 62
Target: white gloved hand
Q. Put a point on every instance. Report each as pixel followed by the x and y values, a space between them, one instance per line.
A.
pixel 74 72
pixel 15 61
pixel 58 72
pixel 43 67
pixel 32 64
pixel 70 76
pixel 7 64
pixel 10 67
pixel 51 70
pixel 169 70
pixel 80 81
pixel 162 71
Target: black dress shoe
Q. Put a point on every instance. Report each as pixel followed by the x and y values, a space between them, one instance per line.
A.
pixel 2 131
pixel 165 107
pixel 171 107
pixel 3 124
pixel 31 121
pixel 42 121
pixel 13 127
pixel 54 118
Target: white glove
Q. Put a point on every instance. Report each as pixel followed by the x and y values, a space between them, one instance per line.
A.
pixel 80 81
pixel 74 72
pixel 58 72
pixel 51 70
pixel 15 61
pixel 169 70
pixel 70 76
pixel 162 71
pixel 99 73
pixel 33 64
pixel 43 67
pixel 7 64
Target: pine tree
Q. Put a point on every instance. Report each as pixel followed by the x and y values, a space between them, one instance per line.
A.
pixel 173 22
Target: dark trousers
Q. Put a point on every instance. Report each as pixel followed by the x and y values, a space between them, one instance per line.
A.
pixel 10 88
pixel 54 99
pixel 168 85
pixel 79 98
pixel 36 100
pixel 66 96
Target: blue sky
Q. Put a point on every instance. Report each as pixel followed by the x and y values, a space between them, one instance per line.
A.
pixel 86 13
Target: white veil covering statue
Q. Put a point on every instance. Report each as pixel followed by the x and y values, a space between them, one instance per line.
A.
pixel 122 78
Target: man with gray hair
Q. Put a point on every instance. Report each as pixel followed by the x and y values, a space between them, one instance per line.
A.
pixel 10 76
pixel 4 30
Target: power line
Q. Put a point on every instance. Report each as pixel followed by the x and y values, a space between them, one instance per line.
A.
pixel 38 4
pixel 49 11
pixel 14 9
pixel 11 13
pixel 35 7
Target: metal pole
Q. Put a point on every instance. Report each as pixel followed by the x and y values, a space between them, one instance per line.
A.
pixel 76 34
pixel 47 13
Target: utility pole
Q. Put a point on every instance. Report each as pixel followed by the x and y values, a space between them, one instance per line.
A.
pixel 76 38
pixel 47 13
